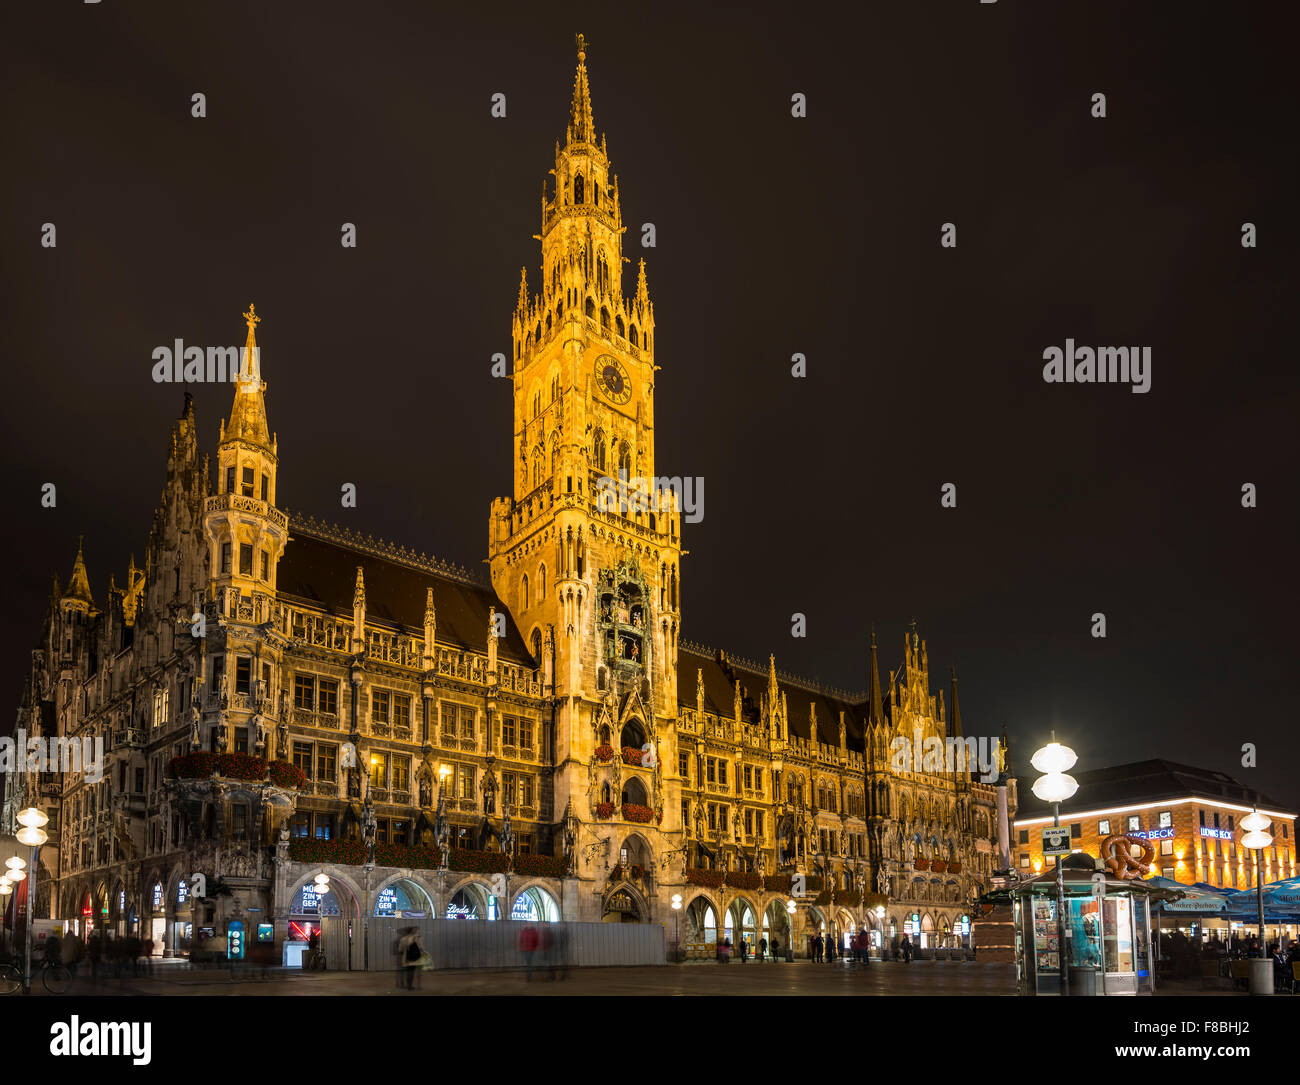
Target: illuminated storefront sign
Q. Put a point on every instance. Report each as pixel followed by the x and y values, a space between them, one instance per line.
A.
pixel 1217 834
pixel 235 940
pixel 1151 834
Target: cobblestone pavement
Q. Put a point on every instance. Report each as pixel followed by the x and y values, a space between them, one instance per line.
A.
pixel 797 978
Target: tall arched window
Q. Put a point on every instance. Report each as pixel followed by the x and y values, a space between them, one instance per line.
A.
pixel 579 189
pixel 537 646
pixel 600 450
pixel 523 591
pixel 625 460
pixel 541 583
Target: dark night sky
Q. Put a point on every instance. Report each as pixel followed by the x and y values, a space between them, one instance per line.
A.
pixel 774 236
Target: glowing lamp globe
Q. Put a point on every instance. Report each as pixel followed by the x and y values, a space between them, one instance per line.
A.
pixel 32 836
pixel 32 818
pixel 789 906
pixel 1054 758
pixel 14 862
pixel 1055 787
pixel 6 887
pixel 321 879
pixel 1255 821
pixel 16 875
pixel 677 901
pixel 1256 840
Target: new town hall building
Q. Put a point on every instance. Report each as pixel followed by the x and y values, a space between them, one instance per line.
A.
pixel 279 698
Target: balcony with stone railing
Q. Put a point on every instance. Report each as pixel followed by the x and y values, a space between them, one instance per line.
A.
pixel 253 505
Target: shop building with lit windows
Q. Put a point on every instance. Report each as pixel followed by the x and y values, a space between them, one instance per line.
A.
pixel 1190 816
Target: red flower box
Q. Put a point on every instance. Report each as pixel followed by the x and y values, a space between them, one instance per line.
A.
pixel 921 864
pixel 939 866
pixel 744 879
pixel 604 753
pixel 478 862
pixel 635 812
pixel 777 883
pixel 539 866
pixel 711 879
pixel 338 852
pixel 284 774
pixel 633 755
pixel 954 868
pixel 604 810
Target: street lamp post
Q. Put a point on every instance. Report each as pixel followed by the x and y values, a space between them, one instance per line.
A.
pixel 677 909
pixel 1055 786
pixel 6 887
pixel 789 935
pixel 32 833
pixel 1257 838
pixel 880 920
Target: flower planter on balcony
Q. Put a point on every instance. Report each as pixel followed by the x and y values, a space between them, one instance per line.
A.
pixel 201 765
pixel 604 753
pixel 954 868
pixel 632 755
pixel 604 810
pixel 635 812
pixel 921 864
pixel 711 879
pixel 939 866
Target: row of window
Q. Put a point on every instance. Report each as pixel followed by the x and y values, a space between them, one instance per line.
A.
pixel 245 561
pixel 1133 823
pixel 247 481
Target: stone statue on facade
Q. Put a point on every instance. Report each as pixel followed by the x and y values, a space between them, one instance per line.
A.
pixel 507 833
pixel 882 880
pixel 909 849
pixel 442 828
pixel 369 828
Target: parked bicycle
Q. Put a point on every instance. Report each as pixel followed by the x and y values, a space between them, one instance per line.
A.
pixel 55 978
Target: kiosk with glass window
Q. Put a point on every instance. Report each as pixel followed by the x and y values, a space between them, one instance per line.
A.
pixel 1107 936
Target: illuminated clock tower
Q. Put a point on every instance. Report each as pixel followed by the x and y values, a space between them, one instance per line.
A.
pixel 586 554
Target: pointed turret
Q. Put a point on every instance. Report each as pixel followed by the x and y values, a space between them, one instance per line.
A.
pixel 954 722
pixel 359 613
pixel 521 306
pixel 248 415
pixel 430 630
pixel 582 126
pixel 875 707
pixel 79 586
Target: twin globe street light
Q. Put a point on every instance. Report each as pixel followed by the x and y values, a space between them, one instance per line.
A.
pixel 1056 785
pixel 32 833
pixel 1257 838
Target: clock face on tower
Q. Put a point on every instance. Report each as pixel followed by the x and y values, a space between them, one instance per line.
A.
pixel 613 379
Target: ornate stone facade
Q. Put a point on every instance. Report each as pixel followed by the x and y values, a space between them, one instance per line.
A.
pixel 553 719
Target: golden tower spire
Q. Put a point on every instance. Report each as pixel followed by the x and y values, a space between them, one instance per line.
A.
pixel 582 126
pixel 248 415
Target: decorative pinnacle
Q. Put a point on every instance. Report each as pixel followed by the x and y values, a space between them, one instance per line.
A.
pixel 581 43
pixel 251 318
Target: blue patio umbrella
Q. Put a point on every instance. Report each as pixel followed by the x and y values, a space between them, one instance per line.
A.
pixel 1194 901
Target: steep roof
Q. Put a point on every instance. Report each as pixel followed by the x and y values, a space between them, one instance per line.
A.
pixel 319 567
pixel 1146 781
pixel 720 671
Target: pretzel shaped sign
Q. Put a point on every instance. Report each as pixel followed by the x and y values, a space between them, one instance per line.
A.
pixel 1117 853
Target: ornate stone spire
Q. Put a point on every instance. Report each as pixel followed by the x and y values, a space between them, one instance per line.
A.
pixel 359 613
pixel 875 708
pixel 430 629
pixel 582 126
pixel 79 585
pixel 248 415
